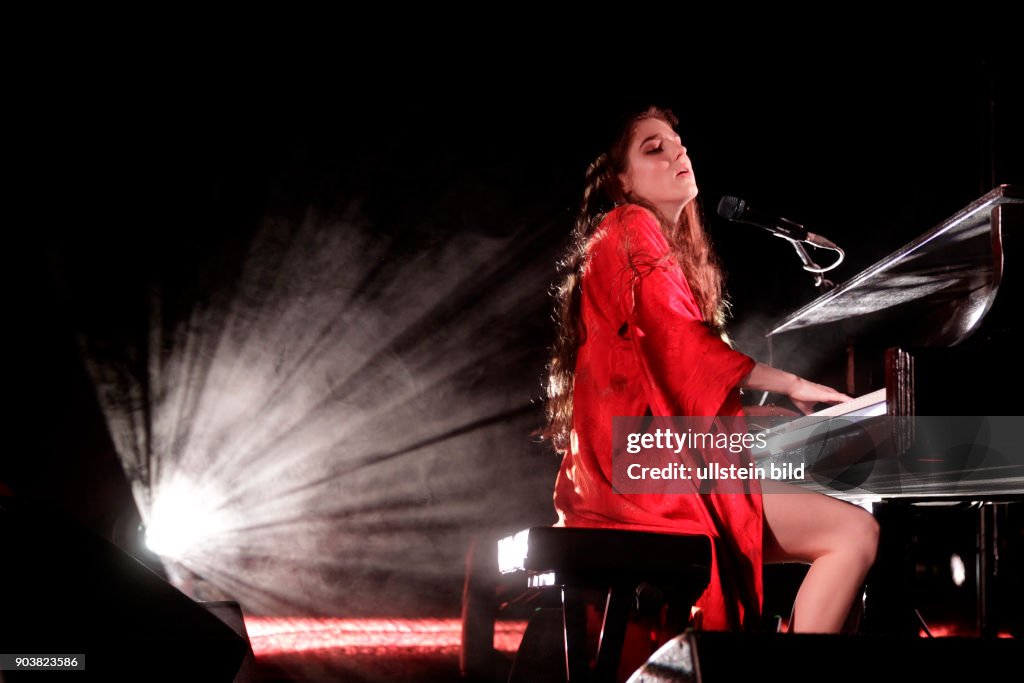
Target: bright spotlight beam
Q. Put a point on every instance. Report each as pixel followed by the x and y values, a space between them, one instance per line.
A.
pixel 326 422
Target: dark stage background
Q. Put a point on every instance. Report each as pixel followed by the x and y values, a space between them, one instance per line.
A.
pixel 316 310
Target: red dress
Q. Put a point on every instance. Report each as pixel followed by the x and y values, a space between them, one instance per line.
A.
pixel 668 361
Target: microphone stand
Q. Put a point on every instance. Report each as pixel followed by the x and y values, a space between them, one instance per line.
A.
pixel 820 281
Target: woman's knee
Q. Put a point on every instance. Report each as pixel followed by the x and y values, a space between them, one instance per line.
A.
pixel 864 532
pixel 854 535
pixel 801 529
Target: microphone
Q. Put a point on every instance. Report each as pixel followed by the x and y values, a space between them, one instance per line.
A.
pixel 736 210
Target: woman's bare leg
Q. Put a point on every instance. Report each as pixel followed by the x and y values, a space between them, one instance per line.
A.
pixel 837 538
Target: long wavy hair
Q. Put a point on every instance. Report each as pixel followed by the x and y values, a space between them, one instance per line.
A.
pixel 690 248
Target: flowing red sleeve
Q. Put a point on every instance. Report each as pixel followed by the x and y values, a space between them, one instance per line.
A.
pixel 688 368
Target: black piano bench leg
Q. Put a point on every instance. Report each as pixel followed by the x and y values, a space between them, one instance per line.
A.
pixel 574 615
pixel 613 633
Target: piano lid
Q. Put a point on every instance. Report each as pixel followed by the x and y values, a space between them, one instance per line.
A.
pixel 955 267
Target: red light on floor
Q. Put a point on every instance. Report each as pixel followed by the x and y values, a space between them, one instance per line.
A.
pixel 956 631
pixel 272 636
pixel 939 631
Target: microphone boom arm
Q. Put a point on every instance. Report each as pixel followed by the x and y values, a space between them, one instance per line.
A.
pixel 811 267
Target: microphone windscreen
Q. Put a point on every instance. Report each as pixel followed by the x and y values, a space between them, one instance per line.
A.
pixel 731 208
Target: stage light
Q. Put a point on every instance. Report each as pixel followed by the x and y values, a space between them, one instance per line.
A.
pixel 185 516
pixel 512 552
pixel 318 430
pixel 959 571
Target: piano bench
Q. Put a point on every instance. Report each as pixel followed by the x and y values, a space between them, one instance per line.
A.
pixel 563 566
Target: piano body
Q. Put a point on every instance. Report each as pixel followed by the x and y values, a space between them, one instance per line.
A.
pixel 936 323
pixel 932 330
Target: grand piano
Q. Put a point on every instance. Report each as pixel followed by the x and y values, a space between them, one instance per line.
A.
pixel 946 304
pixel 929 339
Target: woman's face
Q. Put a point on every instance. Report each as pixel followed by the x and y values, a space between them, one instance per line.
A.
pixel 658 169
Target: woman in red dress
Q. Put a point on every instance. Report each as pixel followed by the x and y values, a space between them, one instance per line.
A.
pixel 641 316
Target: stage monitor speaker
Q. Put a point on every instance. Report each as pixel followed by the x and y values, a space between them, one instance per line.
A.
pixel 65 591
pixel 230 613
pixel 713 657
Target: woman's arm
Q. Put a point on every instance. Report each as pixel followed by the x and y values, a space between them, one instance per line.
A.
pixel 687 368
pixel 802 393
